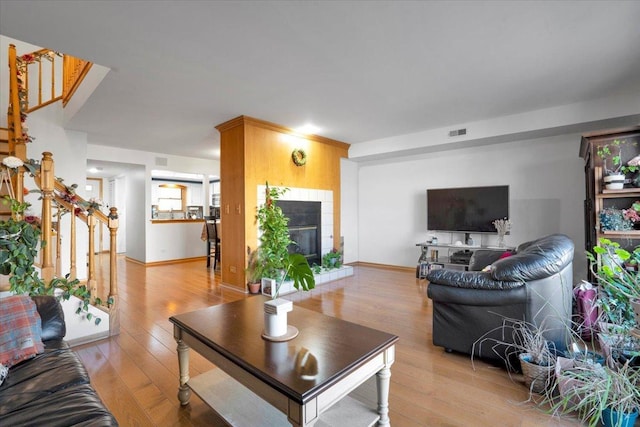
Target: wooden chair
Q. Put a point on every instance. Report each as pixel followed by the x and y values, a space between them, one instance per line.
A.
pixel 213 241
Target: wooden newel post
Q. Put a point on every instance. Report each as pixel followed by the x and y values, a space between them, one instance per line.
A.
pixel 114 319
pixel 47 184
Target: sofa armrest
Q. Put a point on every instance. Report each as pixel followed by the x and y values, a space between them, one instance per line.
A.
pixel 450 296
pixel 536 260
pixel 469 280
pixel 52 317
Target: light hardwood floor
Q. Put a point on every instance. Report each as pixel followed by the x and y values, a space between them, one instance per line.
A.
pixel 136 373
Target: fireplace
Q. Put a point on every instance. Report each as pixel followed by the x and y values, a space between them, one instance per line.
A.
pixel 305 228
pixel 324 198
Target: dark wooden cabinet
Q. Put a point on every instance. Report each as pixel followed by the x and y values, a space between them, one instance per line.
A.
pixel 599 198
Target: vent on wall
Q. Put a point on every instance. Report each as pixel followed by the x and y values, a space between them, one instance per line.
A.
pixel 161 161
pixel 458 132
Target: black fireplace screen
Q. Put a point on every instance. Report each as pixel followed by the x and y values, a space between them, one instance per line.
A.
pixel 304 228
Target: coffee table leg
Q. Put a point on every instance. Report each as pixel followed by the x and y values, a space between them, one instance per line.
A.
pixel 383 379
pixel 184 392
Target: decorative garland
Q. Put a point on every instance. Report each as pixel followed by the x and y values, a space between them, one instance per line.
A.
pixel 22 63
pixel 299 156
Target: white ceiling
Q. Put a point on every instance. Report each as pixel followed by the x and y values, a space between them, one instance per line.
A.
pixel 359 70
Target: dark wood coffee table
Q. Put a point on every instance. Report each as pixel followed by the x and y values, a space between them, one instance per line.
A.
pixel 257 382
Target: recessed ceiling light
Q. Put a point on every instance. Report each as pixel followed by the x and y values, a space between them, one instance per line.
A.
pixel 308 128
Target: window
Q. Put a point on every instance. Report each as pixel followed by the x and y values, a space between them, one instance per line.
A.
pixel 172 197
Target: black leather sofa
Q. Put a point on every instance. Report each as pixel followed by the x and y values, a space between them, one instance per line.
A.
pixel 51 389
pixel 534 284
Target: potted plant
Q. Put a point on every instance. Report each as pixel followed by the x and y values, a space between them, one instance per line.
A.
pixel 601 394
pixel 274 237
pixel 19 241
pixel 537 356
pixel 332 259
pixel 622 285
pixel 612 219
pixel 254 270
pixel 614 173
pixel 278 264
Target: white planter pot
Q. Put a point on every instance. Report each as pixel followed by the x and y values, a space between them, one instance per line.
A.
pixel 614 182
pixel 268 287
pixel 275 317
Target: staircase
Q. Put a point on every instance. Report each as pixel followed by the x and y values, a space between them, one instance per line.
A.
pixel 34 85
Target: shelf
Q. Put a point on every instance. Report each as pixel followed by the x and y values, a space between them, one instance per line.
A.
pixel 621 233
pixel 625 192
pixel 239 406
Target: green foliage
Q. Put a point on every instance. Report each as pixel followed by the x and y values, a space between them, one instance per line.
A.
pixel 16 206
pixel 273 254
pixel 610 269
pixel 613 151
pixel 619 285
pixel 297 269
pixel 596 388
pixel 255 266
pixel 274 240
pixel 18 251
pixel 332 259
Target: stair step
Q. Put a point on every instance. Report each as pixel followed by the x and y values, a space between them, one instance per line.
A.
pixel 4 143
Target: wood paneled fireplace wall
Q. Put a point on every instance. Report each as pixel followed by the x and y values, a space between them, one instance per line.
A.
pixel 253 152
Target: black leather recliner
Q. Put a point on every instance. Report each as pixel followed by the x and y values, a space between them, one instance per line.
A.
pixel 534 284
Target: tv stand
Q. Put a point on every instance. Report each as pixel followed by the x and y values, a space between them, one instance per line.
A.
pixel 447 255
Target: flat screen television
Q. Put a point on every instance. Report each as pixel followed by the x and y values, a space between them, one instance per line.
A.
pixel 468 209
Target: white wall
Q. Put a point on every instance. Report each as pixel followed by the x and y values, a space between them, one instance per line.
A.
pixel 157 247
pixel 69 150
pixel 606 113
pixel 546 179
pixel 135 218
pixel 349 209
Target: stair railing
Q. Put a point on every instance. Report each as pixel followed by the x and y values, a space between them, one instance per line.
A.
pixel 54 193
pixel 74 71
pixel 17 146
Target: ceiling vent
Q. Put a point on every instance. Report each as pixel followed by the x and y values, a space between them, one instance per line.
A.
pixel 458 132
pixel 161 161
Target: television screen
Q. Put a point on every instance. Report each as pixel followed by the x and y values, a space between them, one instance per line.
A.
pixel 470 209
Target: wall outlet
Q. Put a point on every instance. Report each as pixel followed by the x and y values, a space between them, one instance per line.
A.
pixel 232 268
